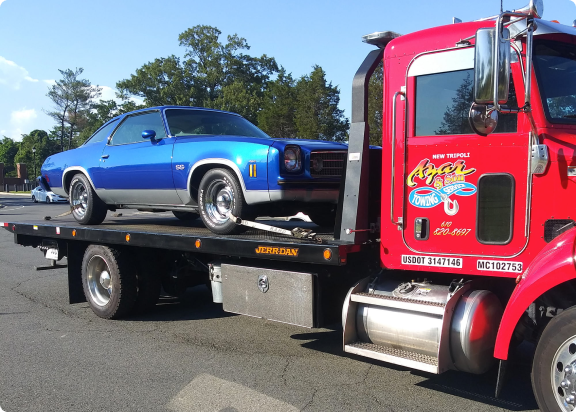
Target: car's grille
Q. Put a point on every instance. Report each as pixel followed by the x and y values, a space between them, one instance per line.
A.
pixel 327 163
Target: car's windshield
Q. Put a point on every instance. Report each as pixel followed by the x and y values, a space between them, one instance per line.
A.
pixel 186 122
pixel 555 65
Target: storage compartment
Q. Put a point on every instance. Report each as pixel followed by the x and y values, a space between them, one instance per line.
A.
pixel 278 295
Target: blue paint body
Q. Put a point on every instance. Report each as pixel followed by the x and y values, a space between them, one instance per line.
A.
pixel 159 170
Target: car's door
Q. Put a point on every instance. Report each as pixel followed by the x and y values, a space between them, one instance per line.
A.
pixel 40 195
pixel 138 171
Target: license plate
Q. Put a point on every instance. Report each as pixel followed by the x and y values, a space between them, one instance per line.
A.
pixel 52 254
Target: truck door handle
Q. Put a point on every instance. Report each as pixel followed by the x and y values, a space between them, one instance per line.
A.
pixel 105 156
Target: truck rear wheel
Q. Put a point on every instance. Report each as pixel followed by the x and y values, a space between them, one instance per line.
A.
pixel 110 282
pixel 554 367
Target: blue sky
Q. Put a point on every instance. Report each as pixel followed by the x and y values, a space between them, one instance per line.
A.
pixel 111 39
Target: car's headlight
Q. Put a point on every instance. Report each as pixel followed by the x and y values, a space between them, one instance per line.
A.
pixel 292 159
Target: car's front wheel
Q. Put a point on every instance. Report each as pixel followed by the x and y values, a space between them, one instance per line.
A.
pixel 47 199
pixel 219 196
pixel 87 207
pixel 34 199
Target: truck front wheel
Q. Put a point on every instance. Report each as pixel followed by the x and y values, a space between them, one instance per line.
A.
pixel 554 367
pixel 110 282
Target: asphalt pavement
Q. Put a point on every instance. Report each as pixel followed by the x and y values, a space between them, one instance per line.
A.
pixel 189 355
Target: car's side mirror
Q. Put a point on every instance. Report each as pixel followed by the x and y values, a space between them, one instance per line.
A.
pixel 148 134
pixel 487 49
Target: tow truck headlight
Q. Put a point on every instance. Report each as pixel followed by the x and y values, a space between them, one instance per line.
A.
pixel 292 159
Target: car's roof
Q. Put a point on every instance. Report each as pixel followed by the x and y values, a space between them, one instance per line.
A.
pixel 172 107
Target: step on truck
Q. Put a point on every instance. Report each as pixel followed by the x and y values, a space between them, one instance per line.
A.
pixel 452 245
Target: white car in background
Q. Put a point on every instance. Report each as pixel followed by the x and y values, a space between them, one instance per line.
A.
pixel 41 195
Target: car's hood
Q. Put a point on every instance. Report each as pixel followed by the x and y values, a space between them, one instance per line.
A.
pixel 312 144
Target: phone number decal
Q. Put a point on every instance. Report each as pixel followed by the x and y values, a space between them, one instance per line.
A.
pixel 441 262
pixel 499 266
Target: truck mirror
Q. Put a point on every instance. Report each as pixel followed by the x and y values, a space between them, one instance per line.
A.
pixel 487 48
pixel 482 120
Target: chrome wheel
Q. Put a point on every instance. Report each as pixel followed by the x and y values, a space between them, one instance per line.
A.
pixel 79 199
pixel 99 281
pixel 219 201
pixel 563 375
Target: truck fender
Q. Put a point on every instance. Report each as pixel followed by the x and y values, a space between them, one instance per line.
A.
pixel 554 265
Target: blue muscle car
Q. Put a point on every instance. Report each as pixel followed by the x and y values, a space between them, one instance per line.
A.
pixel 197 162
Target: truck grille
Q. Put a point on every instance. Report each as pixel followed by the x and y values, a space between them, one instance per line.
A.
pixel 327 163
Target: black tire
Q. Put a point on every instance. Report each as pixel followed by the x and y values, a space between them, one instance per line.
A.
pixel 323 217
pixel 220 183
pixel 149 283
pixel 555 351
pixel 47 199
pixel 109 280
pixel 186 216
pixel 87 208
pixel 34 199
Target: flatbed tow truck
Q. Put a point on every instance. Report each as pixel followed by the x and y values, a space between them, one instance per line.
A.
pixel 452 244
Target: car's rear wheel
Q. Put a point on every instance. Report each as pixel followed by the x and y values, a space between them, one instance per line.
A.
pixel 186 216
pixel 87 207
pixel 219 196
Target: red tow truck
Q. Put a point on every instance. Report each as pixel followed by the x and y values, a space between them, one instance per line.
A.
pixel 452 244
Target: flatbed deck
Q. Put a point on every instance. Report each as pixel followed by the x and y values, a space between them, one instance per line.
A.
pixel 166 232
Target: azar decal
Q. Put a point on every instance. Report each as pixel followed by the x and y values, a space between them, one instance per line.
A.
pixel 441 182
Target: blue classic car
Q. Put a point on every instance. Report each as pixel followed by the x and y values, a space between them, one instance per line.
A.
pixel 196 162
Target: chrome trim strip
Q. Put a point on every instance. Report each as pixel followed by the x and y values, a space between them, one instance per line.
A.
pixel 394 154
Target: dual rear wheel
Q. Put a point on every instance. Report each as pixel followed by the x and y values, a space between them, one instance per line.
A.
pixel 118 283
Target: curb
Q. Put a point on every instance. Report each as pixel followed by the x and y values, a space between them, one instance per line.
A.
pixel 14 194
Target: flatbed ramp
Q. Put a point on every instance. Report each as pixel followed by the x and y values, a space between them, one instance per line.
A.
pixel 166 232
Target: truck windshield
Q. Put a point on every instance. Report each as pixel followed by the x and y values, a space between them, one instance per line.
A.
pixel 190 122
pixel 555 66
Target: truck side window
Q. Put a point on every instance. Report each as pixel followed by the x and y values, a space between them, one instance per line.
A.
pixel 443 102
pixel 495 208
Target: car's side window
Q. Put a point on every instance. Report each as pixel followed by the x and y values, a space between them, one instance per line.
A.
pixel 103 133
pixel 130 131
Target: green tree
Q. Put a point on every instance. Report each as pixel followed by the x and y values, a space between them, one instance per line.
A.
pixel 317 114
pixel 44 146
pixel 375 105
pixel 277 116
pixel 213 74
pixel 72 98
pixel 8 150
pixel 161 82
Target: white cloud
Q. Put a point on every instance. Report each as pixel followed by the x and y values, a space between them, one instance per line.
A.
pixel 50 82
pixel 23 116
pixel 108 93
pixel 13 75
pixel 21 121
pixel 1 1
